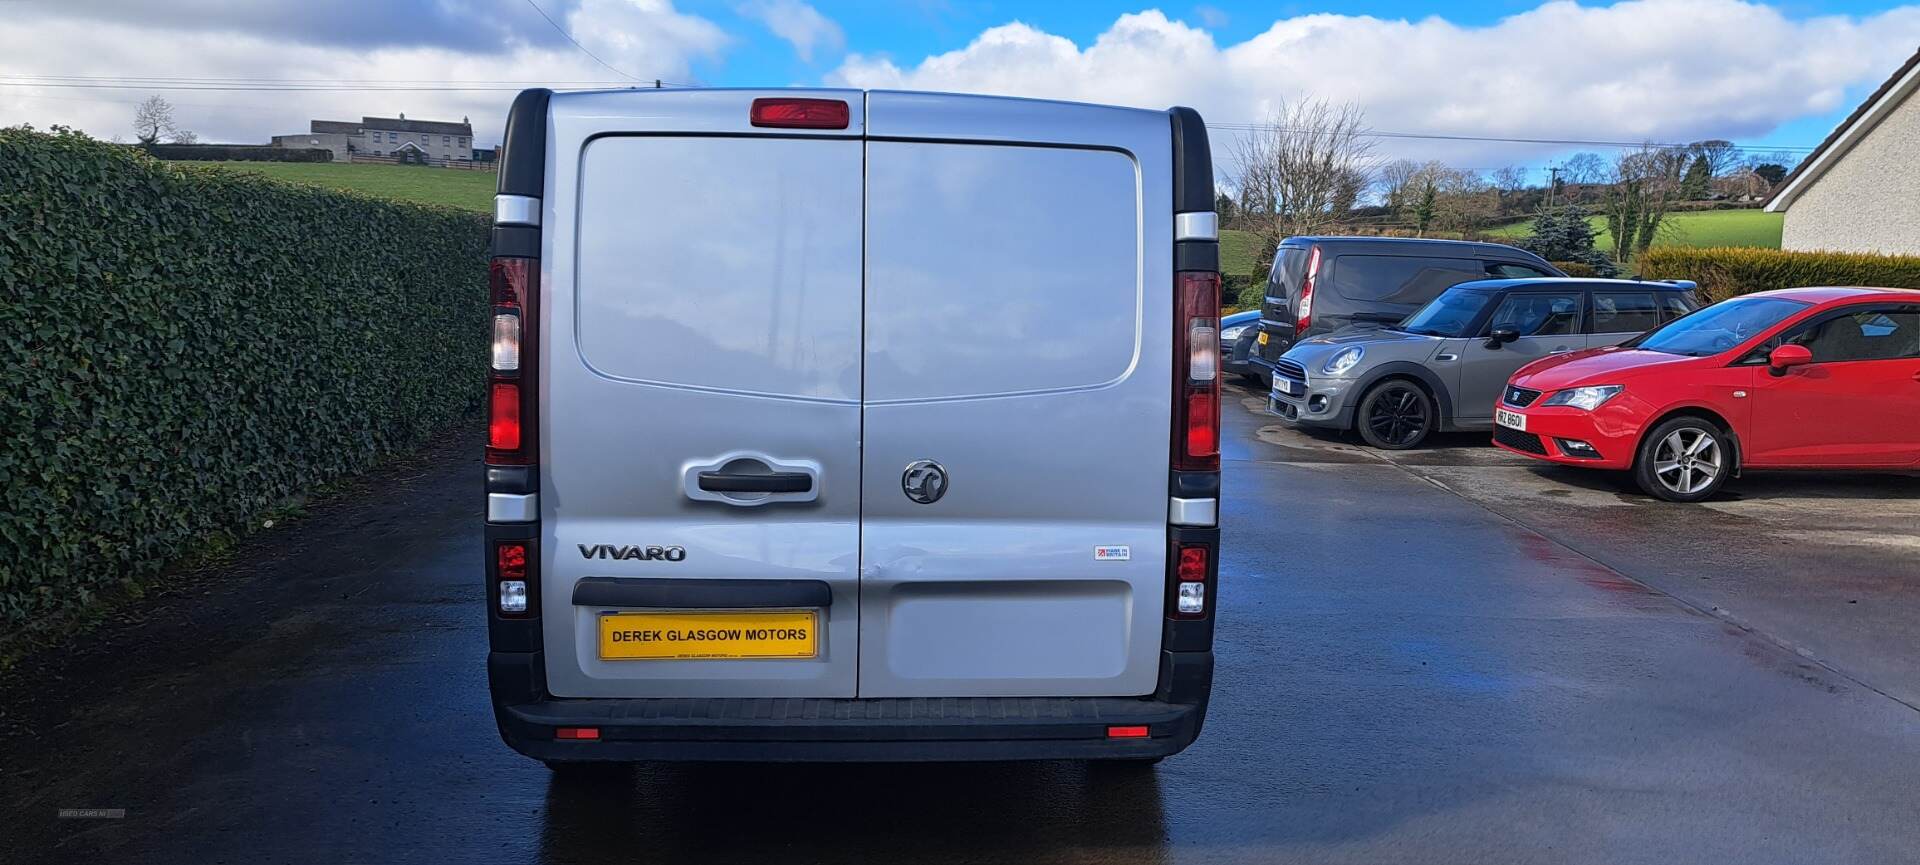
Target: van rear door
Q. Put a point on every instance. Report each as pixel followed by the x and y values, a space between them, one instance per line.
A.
pixel 700 381
pixel 1017 398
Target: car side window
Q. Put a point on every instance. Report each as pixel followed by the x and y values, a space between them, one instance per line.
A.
pixel 1624 311
pixel 1674 304
pixel 1875 333
pixel 1538 314
pixel 1399 279
pixel 1507 270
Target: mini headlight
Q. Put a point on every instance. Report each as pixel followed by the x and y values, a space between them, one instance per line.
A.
pixel 1343 361
pixel 1232 334
pixel 1585 398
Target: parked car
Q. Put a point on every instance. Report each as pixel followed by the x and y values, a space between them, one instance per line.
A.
pixel 768 488
pixel 1322 284
pixel 1237 342
pixel 1802 378
pixel 1443 367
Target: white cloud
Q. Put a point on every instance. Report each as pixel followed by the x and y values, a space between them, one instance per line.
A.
pixel 801 25
pixel 1643 69
pixel 645 38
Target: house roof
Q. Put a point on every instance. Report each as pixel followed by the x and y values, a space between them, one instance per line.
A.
pixel 436 127
pixel 1890 94
pixel 336 127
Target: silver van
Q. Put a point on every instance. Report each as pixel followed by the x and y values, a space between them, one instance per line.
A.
pixel 787 459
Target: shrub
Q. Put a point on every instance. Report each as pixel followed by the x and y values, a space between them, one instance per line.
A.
pixel 236 153
pixel 188 348
pixel 1731 271
pixel 1577 268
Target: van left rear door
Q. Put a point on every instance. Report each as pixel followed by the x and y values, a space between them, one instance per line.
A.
pixel 700 381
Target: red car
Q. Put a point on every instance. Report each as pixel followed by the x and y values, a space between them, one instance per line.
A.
pixel 1801 378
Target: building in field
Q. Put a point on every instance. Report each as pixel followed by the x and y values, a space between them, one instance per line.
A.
pixel 1859 191
pixel 431 142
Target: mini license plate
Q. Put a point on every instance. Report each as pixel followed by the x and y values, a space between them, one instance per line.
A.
pixel 710 634
pixel 1512 419
pixel 1284 385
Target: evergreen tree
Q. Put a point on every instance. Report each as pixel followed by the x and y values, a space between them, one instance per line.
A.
pixel 1699 177
pixel 1565 234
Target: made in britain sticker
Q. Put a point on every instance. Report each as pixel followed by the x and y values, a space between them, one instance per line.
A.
pixel 1112 554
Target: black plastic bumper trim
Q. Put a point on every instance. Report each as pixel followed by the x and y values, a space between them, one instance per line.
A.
pixel 513 479
pixel 1196 255
pixel 516 241
pixel 810 729
pixel 694 594
pixel 1193 485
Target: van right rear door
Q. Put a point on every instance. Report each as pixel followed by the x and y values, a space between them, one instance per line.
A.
pixel 1018 384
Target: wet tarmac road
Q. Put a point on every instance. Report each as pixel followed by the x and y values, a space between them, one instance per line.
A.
pixel 1405 675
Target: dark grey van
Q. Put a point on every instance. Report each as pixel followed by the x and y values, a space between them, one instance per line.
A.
pixel 1322 284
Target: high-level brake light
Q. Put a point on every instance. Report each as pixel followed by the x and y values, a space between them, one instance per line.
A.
pixel 800 113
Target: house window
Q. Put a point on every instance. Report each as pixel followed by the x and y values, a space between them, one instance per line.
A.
pixel 463 141
pixel 446 140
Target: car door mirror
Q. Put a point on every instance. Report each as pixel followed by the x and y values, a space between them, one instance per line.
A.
pixel 1501 336
pixel 1787 357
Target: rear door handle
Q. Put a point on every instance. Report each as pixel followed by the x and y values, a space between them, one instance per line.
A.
pixel 774 482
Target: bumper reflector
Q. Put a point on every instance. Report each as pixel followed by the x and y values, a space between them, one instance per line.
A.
pixel 585 734
pixel 1139 732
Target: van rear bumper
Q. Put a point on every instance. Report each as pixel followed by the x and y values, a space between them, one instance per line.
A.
pixel 847 730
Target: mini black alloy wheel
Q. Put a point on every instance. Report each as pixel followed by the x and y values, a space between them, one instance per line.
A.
pixel 1395 415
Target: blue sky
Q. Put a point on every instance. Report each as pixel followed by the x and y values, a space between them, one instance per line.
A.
pixel 910 30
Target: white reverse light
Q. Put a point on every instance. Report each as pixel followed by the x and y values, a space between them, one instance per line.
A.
pixel 513 596
pixel 1193 598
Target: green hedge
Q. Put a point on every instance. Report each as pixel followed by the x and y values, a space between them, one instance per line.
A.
pixel 187 349
pixel 1731 271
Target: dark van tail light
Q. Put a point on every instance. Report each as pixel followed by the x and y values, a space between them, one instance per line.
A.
pixel 514 593
pixel 1190 566
pixel 510 399
pixel 800 113
pixel 1197 371
pixel 1303 319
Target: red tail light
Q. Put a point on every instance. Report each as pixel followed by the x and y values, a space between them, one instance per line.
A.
pixel 513 284
pixel 578 734
pixel 1193 564
pixel 800 113
pixel 1197 371
pixel 1128 732
pixel 1303 318
pixel 503 418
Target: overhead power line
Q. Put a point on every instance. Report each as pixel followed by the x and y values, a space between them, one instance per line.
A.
pixel 576 42
pixel 307 86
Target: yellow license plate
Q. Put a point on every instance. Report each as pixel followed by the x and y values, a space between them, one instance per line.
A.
pixel 691 634
pixel 1262 338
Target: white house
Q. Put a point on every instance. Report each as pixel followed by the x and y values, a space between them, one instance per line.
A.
pixel 1860 190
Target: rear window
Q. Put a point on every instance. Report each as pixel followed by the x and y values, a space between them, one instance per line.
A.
pixel 1400 279
pixel 1288 267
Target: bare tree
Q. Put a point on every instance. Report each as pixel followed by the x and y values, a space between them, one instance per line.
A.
pixel 1301 171
pixel 185 136
pixel 1644 185
pixel 153 118
pixel 1584 167
pixel 1722 156
pixel 1397 184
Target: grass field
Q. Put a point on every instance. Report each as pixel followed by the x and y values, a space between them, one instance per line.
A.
pixel 1697 228
pixel 452 187
pixel 1238 252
